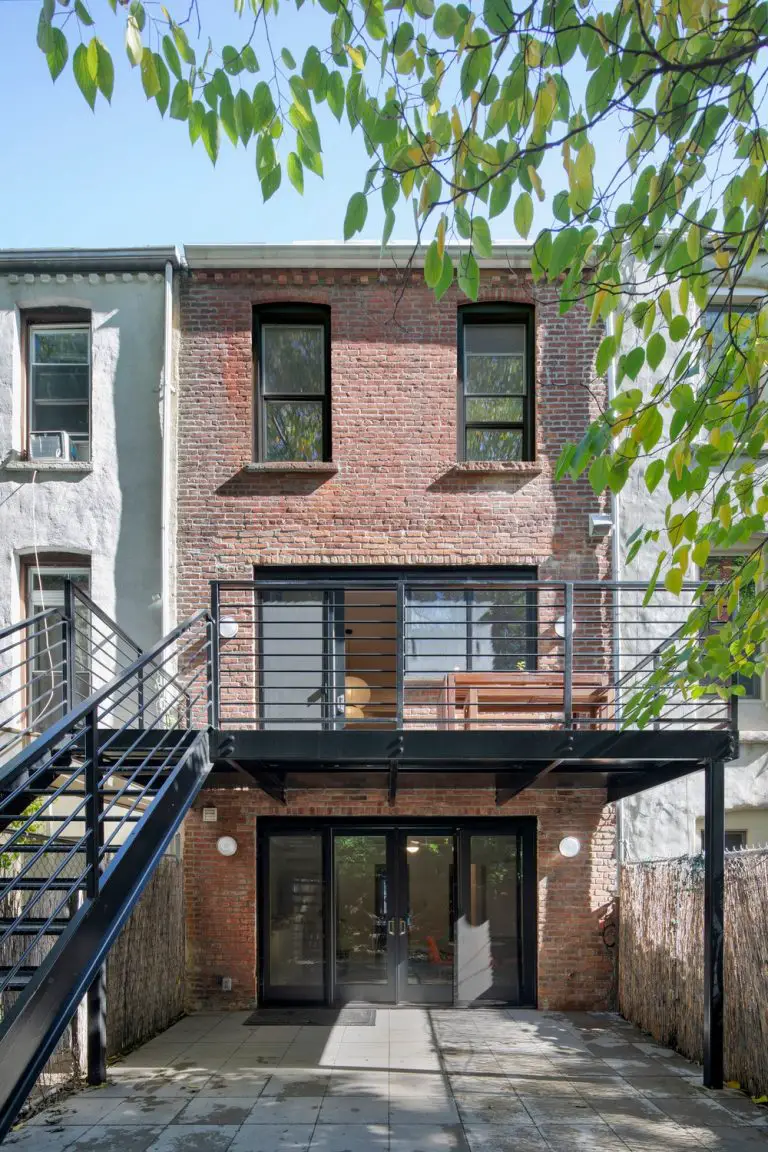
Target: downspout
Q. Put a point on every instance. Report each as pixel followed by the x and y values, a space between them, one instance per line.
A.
pixel 167 454
pixel 616 576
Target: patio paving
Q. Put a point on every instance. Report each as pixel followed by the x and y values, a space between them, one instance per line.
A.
pixel 419 1080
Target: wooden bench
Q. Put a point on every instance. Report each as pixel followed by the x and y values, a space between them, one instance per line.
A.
pixel 473 693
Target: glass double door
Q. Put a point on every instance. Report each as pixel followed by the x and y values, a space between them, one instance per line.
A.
pixel 421 914
pixel 394 921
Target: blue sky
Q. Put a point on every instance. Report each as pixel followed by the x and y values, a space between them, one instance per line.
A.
pixel 122 176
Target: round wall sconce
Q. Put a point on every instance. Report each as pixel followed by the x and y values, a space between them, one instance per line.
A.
pixel 560 627
pixel 228 628
pixel 226 845
pixel 569 847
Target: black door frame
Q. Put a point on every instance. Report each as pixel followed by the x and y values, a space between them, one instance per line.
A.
pixel 523 826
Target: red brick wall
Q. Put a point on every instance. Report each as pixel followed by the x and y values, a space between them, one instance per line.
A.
pixel 395 498
pixel 574 966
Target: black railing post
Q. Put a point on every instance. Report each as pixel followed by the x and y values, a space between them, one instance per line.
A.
pixel 400 654
pixel 568 658
pixel 714 867
pixel 213 658
pixel 70 642
pixel 140 696
pixel 96 1000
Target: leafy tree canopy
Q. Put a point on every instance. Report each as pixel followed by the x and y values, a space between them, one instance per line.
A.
pixel 458 106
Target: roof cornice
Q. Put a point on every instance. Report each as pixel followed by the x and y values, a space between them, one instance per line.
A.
pixel 323 254
pixel 54 260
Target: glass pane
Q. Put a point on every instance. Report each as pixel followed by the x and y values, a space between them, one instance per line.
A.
pixel 508 410
pixel 60 346
pixel 430 909
pixel 494 444
pixel 362 909
pixel 494 338
pixel 435 631
pixel 60 382
pixel 491 945
pixel 293 358
pixel 292 659
pixel 71 418
pixel 45 678
pixel 294 431
pixel 49 586
pixel 502 637
pixel 497 375
pixel 296 951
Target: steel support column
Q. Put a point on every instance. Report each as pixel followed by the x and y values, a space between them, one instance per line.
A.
pixel 714 841
pixel 96 999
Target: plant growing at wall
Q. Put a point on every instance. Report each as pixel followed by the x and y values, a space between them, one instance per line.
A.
pixel 468 111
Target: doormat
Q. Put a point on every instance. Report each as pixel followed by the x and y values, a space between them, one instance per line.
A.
pixel 321 1017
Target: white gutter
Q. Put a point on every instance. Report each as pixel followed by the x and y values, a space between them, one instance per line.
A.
pixel 616 571
pixel 167 455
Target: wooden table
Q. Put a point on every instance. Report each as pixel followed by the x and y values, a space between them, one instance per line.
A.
pixel 471 693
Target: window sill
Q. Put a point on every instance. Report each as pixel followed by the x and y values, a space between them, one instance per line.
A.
pixel 78 467
pixel 314 467
pixel 496 468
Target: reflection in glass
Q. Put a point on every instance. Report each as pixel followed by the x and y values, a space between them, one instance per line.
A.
pixel 430 909
pixel 495 912
pixel 292 658
pixel 296 954
pixel 362 909
pixel 294 430
pixel 494 444
pixel 502 637
pixel 293 359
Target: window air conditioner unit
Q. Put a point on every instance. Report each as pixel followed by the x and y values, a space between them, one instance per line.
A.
pixel 50 446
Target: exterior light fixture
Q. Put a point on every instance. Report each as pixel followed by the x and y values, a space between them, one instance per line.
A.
pixel 226 845
pixel 228 628
pixel 412 846
pixel 600 524
pixel 569 847
pixel 560 627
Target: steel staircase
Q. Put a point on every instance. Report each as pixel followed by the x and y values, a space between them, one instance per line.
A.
pixel 103 748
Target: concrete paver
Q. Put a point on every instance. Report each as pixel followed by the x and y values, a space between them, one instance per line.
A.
pixel 419 1080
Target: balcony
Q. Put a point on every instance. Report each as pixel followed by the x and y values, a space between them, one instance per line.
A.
pixel 379 667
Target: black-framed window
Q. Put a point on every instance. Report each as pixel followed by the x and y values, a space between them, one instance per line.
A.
pixel 723 323
pixel 496 378
pixel 469 630
pixel 293 387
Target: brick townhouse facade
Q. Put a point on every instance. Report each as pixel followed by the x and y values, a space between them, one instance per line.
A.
pixel 393 488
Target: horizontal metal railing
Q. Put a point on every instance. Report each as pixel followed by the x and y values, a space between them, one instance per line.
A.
pixel 466 654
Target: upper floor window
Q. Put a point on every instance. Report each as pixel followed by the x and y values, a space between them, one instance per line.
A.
pixel 496 377
pixel 293 411
pixel 728 326
pixel 718 569
pixel 59 389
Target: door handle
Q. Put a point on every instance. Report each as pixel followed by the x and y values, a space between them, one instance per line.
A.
pixel 403 926
pixel 391 927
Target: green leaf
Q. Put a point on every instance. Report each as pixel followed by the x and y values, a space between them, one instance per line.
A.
pixel 598 474
pixel 501 192
pixel 172 56
pixel 101 67
pixel 196 118
pixel 263 106
pixel 271 182
pixel 357 211
pixel 402 39
pixel 186 52
pixel 653 474
pixel 335 94
pixel 564 248
pixel 232 60
pixel 181 100
pixel 389 223
pixel 249 59
pixel 447 22
pixel 243 116
pixel 633 362
pixel 85 81
pixel 605 355
pixel 83 15
pixel 446 277
pixel 679 328
pixel 523 214
pixel 287 59
pixel 149 78
pixel 654 352
pixel 164 92
pixel 210 135
pixel 481 238
pixel 433 265
pixel 43 31
pixel 469 275
pixel 673 581
pixel 57 52
pixel 296 172
pixel 227 117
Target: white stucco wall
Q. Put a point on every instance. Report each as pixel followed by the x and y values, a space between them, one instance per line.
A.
pixel 662 821
pixel 112 513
